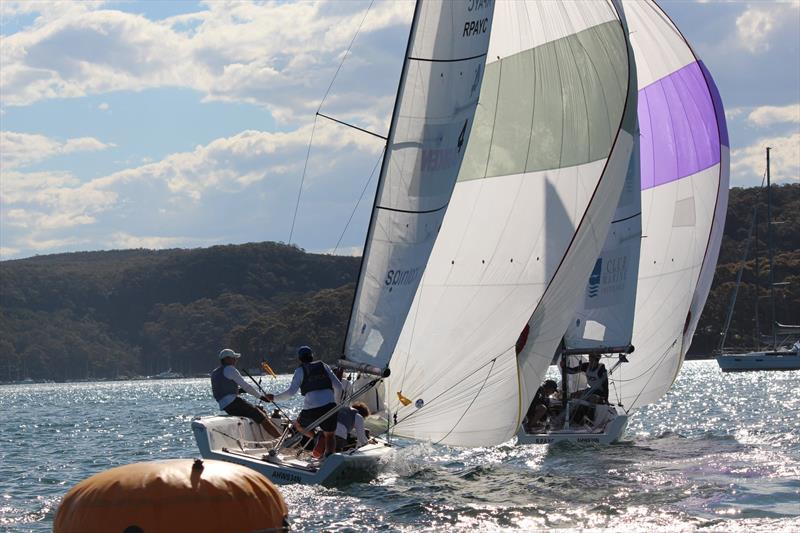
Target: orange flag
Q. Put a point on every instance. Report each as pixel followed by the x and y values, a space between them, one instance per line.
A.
pixel 268 369
pixel 403 399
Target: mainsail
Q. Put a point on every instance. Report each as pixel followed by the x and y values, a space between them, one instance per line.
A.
pixel 529 214
pixel 685 170
pixel 433 115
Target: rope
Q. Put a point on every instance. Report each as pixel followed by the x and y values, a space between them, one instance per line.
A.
pixel 660 360
pixel 489 373
pixel 314 127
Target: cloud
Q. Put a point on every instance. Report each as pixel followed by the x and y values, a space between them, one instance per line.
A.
pixel 24 149
pixel 769 115
pixel 279 56
pixel 8 252
pixel 104 106
pixel 234 188
pixel 750 162
pixel 757 24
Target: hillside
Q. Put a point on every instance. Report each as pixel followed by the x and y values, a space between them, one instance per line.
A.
pixel 140 312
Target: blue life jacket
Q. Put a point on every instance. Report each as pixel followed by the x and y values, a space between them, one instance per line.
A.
pixel 314 378
pixel 222 386
pixel 347 418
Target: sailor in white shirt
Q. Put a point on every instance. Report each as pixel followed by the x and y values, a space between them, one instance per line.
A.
pixel 319 387
pixel 350 425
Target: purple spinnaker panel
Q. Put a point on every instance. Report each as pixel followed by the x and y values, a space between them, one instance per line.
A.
pixel 678 126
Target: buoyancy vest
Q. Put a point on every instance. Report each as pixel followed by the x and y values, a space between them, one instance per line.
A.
pixel 314 378
pixel 597 378
pixel 347 418
pixel 222 386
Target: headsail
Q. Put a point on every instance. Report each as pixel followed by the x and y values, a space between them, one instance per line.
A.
pixel 685 165
pixel 432 120
pixel 605 317
pixel 536 193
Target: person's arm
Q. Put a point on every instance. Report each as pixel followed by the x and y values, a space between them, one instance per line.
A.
pixel 361 435
pixel 297 380
pixel 231 373
pixel 337 385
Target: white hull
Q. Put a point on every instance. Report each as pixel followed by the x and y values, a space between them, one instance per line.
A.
pixel 241 441
pixel 759 361
pixel 609 432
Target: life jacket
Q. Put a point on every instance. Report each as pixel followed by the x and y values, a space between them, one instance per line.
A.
pixel 314 378
pixel 593 376
pixel 347 418
pixel 222 386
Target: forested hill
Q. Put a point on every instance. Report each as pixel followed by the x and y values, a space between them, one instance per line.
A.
pixel 140 312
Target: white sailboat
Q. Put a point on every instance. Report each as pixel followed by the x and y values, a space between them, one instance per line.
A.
pixel 428 135
pixel 684 179
pixel 771 358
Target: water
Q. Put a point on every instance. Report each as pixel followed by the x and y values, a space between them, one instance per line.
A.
pixel 718 453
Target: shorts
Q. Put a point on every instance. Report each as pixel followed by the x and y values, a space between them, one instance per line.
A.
pixel 308 416
pixel 239 407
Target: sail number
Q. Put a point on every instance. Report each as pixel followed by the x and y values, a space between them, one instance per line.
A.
pixel 477 5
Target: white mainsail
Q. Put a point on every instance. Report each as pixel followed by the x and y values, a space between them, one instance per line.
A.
pixel 431 124
pixel 605 317
pixel 531 209
pixel 684 166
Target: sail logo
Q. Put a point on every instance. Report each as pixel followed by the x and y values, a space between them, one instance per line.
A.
pixel 401 277
pixel 594 279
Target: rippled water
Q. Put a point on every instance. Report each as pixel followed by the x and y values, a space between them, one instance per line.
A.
pixel 720 452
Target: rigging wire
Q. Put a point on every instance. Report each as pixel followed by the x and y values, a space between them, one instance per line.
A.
pixel 314 127
pixel 361 197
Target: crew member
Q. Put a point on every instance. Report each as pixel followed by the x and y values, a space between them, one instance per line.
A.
pixel 350 426
pixel 596 377
pixel 539 406
pixel 319 387
pixel 227 383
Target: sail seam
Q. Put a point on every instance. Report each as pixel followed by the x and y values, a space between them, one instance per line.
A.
pixel 394 209
pixel 445 60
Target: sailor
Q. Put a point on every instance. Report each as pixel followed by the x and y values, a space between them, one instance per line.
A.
pixel 319 387
pixel 596 377
pixel 539 406
pixel 227 383
pixel 350 426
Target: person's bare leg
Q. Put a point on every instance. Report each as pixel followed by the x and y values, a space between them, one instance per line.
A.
pixel 302 430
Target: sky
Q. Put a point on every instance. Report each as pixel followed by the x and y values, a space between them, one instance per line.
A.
pixel 178 124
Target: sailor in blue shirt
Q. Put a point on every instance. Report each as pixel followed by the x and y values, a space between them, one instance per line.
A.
pixel 320 388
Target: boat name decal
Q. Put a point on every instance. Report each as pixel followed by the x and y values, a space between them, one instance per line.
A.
pixel 291 478
pixel 477 5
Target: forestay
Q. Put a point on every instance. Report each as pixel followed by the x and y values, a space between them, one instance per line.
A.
pixel 685 168
pixel 531 209
pixel 431 124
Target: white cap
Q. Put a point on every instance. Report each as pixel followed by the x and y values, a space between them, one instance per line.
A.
pixel 227 352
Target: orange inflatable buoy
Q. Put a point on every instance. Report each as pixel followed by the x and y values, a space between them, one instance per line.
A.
pixel 176 495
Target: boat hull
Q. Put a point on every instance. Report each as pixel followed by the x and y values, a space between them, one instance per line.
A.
pixel 610 432
pixel 759 361
pixel 239 440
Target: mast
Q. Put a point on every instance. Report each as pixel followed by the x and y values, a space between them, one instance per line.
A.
pixel 771 266
pixel 758 279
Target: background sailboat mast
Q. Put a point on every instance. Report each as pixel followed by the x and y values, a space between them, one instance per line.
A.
pixel 771 265
pixel 381 174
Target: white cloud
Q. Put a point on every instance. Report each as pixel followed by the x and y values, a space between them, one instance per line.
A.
pixel 756 26
pixel 7 252
pixel 769 115
pixel 277 55
pixel 104 106
pixel 211 194
pixel 23 149
pixel 750 162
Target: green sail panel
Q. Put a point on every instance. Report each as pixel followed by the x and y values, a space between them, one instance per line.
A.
pixel 571 116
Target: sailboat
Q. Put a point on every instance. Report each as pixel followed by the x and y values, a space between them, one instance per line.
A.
pixel 683 173
pixel 685 160
pixel 771 358
pixel 428 136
